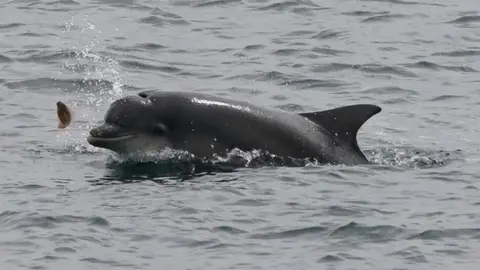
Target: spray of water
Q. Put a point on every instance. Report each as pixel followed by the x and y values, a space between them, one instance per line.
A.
pixel 101 82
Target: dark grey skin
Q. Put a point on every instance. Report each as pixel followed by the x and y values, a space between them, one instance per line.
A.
pixel 206 124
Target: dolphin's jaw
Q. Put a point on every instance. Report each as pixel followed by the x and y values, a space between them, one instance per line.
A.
pixel 117 144
pixel 130 143
pixel 100 141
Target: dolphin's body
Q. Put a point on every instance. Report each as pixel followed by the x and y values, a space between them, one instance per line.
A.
pixel 206 124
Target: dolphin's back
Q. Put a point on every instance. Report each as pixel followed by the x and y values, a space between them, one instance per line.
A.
pixel 200 120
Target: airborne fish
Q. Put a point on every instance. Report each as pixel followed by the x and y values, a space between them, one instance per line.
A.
pixel 64 115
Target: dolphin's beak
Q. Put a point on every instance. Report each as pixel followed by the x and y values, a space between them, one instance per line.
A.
pixel 106 135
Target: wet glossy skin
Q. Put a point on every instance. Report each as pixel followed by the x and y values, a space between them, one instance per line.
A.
pixel 205 125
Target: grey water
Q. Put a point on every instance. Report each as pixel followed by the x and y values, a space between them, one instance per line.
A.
pixel 67 205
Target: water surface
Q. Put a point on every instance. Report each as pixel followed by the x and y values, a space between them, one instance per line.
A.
pixel 67 204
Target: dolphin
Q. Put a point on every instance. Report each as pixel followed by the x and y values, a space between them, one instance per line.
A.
pixel 204 125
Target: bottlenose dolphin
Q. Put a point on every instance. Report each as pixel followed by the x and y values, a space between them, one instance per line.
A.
pixel 205 125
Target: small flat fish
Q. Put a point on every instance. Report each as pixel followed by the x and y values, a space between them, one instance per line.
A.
pixel 64 115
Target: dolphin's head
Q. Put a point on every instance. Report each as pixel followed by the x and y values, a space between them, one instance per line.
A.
pixel 132 124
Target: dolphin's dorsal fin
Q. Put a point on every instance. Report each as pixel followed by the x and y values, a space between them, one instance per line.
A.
pixel 344 122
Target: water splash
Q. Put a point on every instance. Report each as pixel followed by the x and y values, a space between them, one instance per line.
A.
pixel 95 67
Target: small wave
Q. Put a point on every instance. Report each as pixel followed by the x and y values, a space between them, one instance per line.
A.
pixel 137 48
pixel 50 258
pixel 68 85
pixel 287 52
pixel 341 211
pixel 448 97
pixel 247 91
pixel 307 232
pixel 5 59
pixel 333 67
pixel 153 20
pixel 10 26
pixel 229 230
pixel 30 34
pixel 263 76
pixel 284 79
pixel 61 5
pixel 143 66
pixel 291 107
pixel 23 117
pixel 62 2
pixel 327 34
pixel 217 3
pixel 165 14
pixel 299 33
pixel 113 263
pixel 390 90
pixel 312 83
pixel 18 220
pixel 433 66
pixel 32 187
pixel 467 233
pixel 379 233
pixel 65 250
pixel 329 51
pixel 411 253
pixel 42 83
pixel 286 5
pixel 445 176
pixel 365 13
pixel 55 6
pixel 119 3
pixel 159 18
pixel 49 56
pixel 384 18
pixel 458 53
pixel 401 2
pixel 9 134
pixel 466 19
pixel 330 259
pixel 382 69
pixel 150 46
pixel 254 47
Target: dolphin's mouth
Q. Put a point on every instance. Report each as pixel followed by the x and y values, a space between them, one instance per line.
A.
pixel 108 135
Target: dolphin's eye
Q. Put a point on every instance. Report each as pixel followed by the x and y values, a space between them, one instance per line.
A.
pixel 160 129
